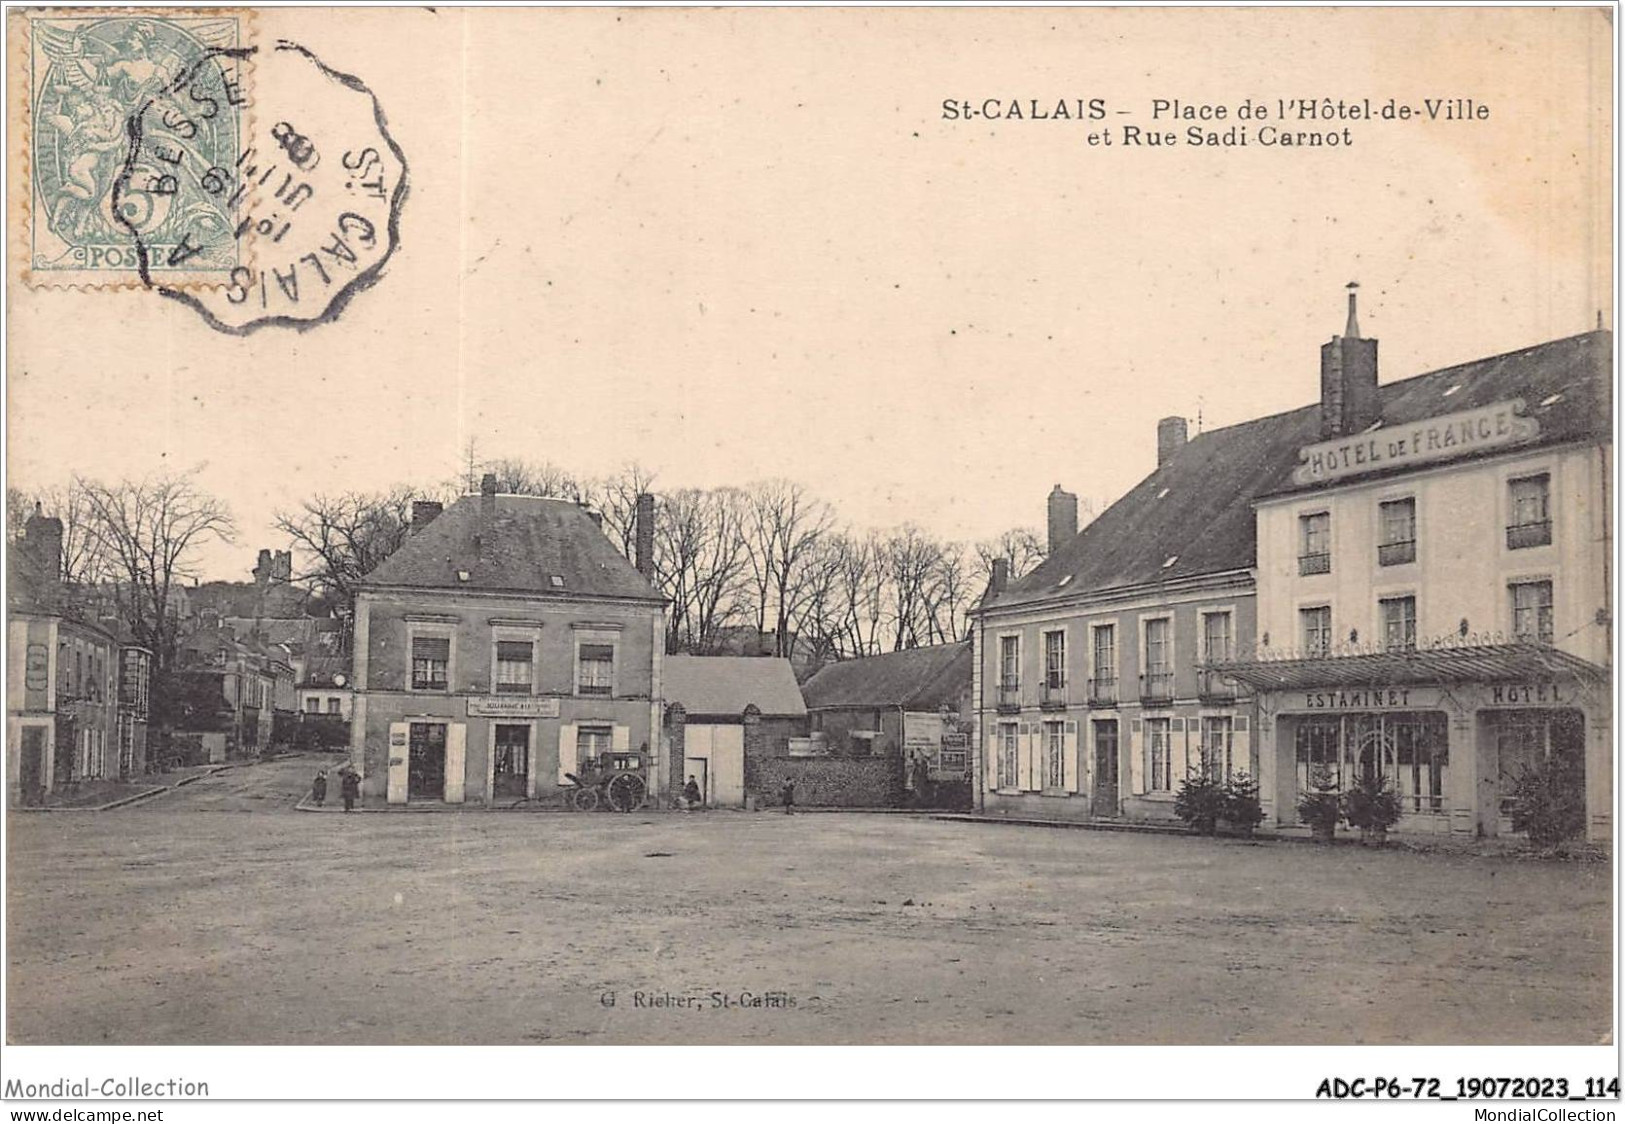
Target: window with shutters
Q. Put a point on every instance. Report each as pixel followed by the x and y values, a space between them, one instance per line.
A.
pixel 431 663
pixel 592 742
pixel 515 667
pixel 1009 759
pixel 1217 738
pixel 1159 755
pixel 1054 756
pixel 595 668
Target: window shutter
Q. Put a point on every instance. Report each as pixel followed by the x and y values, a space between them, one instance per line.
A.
pixel 400 749
pixel 1136 758
pixel 567 752
pixel 991 749
pixel 1069 758
pixel 1024 754
pixel 597 651
pixel 431 648
pixel 620 739
pixel 456 760
pixel 514 650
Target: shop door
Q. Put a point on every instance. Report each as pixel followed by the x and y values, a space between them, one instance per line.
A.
pixel 511 769
pixel 31 767
pixel 1105 790
pixel 426 763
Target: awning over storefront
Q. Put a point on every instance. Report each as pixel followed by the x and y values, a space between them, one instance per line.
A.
pixel 1500 663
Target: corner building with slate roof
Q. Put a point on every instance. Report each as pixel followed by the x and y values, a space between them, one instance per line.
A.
pixel 505 642
pixel 1409 579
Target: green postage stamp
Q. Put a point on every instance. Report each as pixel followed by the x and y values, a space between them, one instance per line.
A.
pixel 98 199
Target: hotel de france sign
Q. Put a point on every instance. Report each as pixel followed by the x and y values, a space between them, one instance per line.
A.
pixel 1437 439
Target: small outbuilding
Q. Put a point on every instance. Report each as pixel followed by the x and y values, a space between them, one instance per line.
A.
pixel 724 711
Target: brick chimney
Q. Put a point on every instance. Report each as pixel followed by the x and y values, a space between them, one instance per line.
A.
pixel 1171 437
pixel 645 532
pixel 488 494
pixel 423 513
pixel 262 568
pixel 1348 379
pixel 1063 518
pixel 42 535
pixel 997 580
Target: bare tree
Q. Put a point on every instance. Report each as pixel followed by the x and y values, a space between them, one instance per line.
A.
pixel 148 533
pixel 82 564
pixel 949 595
pixel 340 539
pixel 1022 547
pixel 535 478
pixel 786 523
pixel 699 558
pixel 617 498
pixel 910 559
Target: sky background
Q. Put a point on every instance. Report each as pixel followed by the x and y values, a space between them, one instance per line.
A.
pixel 744 243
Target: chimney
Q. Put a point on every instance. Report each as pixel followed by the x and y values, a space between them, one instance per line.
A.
pixel 43 536
pixel 1171 437
pixel 488 494
pixel 1348 379
pixel 998 580
pixel 645 530
pixel 282 566
pixel 1063 518
pixel 262 568
pixel 423 513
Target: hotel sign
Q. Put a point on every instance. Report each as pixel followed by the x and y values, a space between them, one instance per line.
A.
pixel 512 706
pixel 1423 442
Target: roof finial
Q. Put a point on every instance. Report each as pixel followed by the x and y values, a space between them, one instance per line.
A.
pixel 1352 331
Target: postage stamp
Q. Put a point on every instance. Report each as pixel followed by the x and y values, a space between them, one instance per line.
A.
pixel 91 199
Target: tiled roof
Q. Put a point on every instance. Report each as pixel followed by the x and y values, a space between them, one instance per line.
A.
pixel 915 678
pixel 517 544
pixel 1194 514
pixel 718 685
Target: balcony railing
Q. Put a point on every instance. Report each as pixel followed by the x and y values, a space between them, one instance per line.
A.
pixel 1157 687
pixel 1396 553
pixel 1010 694
pixel 1215 687
pixel 1052 694
pixel 1103 692
pixel 1520 535
pixel 1315 563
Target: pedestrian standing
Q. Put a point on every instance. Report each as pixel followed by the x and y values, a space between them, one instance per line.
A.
pixel 350 787
pixel 318 788
pixel 789 795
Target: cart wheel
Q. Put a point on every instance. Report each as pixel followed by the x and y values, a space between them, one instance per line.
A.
pixel 625 792
pixel 585 800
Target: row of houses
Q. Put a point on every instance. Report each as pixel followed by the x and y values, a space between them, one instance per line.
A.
pixel 1408 580
pixel 508 649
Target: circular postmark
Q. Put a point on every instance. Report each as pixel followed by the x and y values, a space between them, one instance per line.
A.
pixel 313 192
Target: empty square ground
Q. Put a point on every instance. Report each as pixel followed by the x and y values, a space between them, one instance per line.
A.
pixel 219 914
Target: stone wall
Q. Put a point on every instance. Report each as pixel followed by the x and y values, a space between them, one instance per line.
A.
pixel 826 782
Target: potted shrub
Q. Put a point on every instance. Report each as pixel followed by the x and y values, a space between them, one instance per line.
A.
pixel 1200 802
pixel 1241 810
pixel 1548 801
pixel 1373 806
pixel 1320 807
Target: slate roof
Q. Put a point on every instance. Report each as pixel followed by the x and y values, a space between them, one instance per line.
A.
pixel 519 545
pixel 319 671
pixel 914 679
pixel 718 685
pixel 1194 514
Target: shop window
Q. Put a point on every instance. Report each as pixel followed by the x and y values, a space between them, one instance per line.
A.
pixel 431 661
pixel 1316 625
pixel 1398 623
pixel 1315 543
pixel 1158 755
pixel 595 674
pixel 1532 612
pixel 1410 749
pixel 1529 507
pixel 1397 529
pixel 515 664
pixel 1525 738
